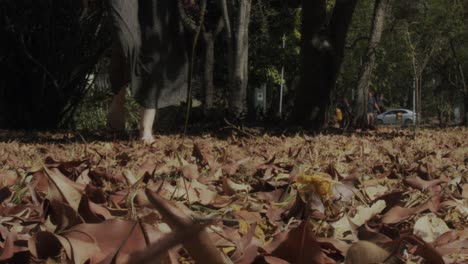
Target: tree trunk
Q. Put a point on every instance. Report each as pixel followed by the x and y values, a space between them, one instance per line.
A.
pixel 322 50
pixel 239 62
pixel 465 88
pixel 360 105
pixel 208 87
pixel 465 106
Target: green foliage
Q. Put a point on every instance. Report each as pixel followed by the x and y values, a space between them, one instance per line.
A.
pixel 270 24
pixel 93 109
pixel 423 29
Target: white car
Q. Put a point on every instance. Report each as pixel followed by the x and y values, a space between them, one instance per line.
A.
pixel 391 117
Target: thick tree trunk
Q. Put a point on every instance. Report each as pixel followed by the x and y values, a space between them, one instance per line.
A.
pixel 360 105
pixel 315 64
pixel 239 63
pixel 322 52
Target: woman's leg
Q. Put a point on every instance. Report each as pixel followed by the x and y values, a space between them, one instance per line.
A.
pixel 146 125
pixel 123 18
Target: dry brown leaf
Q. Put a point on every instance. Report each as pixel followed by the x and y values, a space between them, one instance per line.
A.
pixel 260 193
pixel 230 187
pixel 298 246
pixel 365 213
pixel 9 178
pixel 63 189
pixel 246 251
pixel 7 250
pixel 421 184
pixel 429 227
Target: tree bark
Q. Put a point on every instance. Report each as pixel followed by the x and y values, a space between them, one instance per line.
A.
pixel 360 105
pixel 209 38
pixel 238 69
pixel 465 88
pixel 208 87
pixel 322 49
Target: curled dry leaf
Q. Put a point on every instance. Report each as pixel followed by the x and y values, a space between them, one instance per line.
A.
pixel 190 171
pixel 421 184
pixel 63 189
pixel 116 238
pixel 8 178
pixel 230 187
pixel 452 244
pixel 397 214
pixel 298 246
pixel 7 249
pixel 364 213
pixel 343 229
pixel 429 227
pixel 246 251
pixel 375 191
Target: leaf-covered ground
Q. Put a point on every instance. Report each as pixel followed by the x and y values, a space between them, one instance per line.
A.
pixel 268 199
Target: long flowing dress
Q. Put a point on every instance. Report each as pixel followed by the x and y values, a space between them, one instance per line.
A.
pixel 148 51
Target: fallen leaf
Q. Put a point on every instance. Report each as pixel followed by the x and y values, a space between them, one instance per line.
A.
pixel 421 184
pixel 230 187
pixel 375 191
pixel 7 251
pixel 365 213
pixel 298 246
pixel 63 189
pixel 9 178
pixel 429 227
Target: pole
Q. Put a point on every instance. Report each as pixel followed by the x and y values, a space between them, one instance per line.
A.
pixel 282 80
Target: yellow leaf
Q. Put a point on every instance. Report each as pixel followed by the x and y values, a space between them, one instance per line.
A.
pixel 236 208
pixel 51 261
pixel 243 227
pixel 319 183
pixel 227 250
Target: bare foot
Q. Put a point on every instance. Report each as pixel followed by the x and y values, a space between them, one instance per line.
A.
pixel 146 125
pixel 147 140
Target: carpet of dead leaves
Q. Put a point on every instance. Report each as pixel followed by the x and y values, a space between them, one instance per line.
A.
pixel 268 199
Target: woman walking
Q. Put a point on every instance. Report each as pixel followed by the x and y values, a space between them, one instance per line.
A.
pixel 149 55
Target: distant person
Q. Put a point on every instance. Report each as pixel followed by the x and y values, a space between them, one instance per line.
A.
pixel 149 55
pixel 372 107
pixel 345 109
pixel 382 103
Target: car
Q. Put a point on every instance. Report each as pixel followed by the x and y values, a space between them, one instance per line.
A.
pixel 392 117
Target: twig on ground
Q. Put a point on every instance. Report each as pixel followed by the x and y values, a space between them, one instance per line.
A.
pixel 242 131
